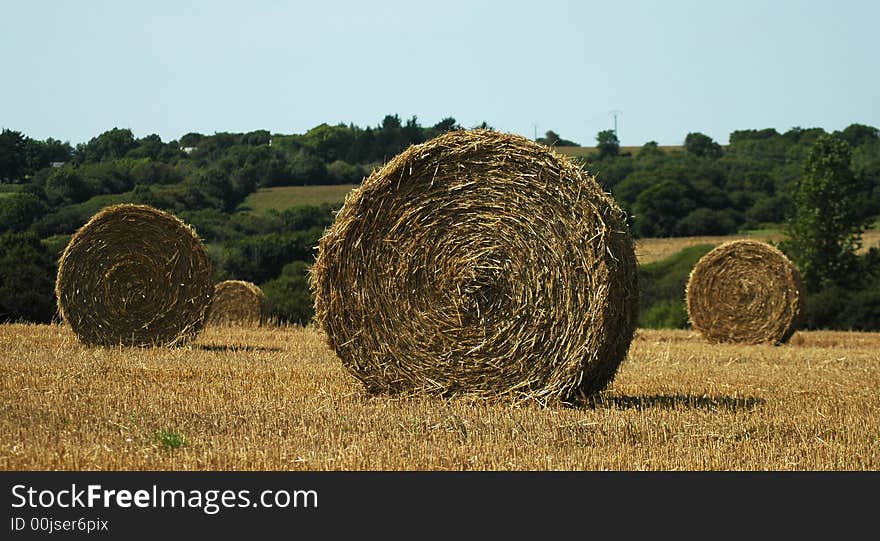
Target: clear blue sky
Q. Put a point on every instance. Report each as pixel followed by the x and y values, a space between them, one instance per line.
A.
pixel 73 69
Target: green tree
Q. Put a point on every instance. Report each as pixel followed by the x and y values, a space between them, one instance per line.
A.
pixel 305 168
pixel 65 186
pixel 150 146
pixel 13 146
pixel 329 143
pixel 259 258
pixel 27 279
pixel 866 168
pixel 341 172
pixel 216 186
pixel 389 137
pixel 608 144
pixel 752 135
pixel 826 229
pixel 256 138
pixel 700 144
pixel 551 138
pixel 41 154
pixel 447 124
pixel 412 132
pixel 19 210
pixel 191 139
pixel 289 296
pixel 214 147
pixel 658 209
pixel 858 134
pixel 650 149
pixel 111 144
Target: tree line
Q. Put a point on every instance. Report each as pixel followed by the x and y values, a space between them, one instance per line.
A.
pixel 710 189
pixel 50 188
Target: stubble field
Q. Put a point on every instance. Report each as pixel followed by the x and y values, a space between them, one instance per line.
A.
pixel 276 398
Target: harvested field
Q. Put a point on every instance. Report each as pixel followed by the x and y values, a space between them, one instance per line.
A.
pixel 282 197
pixel 275 398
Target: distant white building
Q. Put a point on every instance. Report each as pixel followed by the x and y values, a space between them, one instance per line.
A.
pixel 56 165
pixel 187 149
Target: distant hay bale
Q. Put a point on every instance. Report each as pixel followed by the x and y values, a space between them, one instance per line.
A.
pixel 745 291
pixel 483 264
pixel 134 275
pixel 238 302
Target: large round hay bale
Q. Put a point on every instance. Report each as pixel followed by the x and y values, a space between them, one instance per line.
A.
pixel 745 291
pixel 238 302
pixel 479 263
pixel 134 275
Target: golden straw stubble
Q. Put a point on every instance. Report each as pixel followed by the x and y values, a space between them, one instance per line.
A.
pixel 238 302
pixel 134 275
pixel 479 263
pixel 745 291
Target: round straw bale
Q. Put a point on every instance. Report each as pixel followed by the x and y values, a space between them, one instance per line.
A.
pixel 479 263
pixel 134 275
pixel 744 291
pixel 238 302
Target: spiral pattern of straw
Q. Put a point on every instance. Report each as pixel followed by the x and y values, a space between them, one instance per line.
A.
pixel 134 275
pixel 479 263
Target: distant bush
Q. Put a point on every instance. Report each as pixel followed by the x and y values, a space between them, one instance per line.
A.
pixel 69 218
pixel 210 224
pixel 66 186
pixel 260 258
pixel 661 288
pixel 843 309
pixel 703 221
pixel 290 299
pixel 19 210
pixel 340 172
pixel 56 245
pixel 27 279
pixel 668 314
pixel 304 217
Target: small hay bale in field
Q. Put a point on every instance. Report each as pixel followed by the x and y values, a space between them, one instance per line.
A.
pixel 134 275
pixel 238 302
pixel 479 263
pixel 744 291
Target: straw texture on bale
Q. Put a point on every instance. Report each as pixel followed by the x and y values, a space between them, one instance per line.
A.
pixel 745 291
pixel 238 302
pixel 479 263
pixel 134 275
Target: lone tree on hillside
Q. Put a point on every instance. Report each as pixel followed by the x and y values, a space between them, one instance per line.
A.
pixel 551 138
pixel 608 144
pixel 700 144
pixel 826 229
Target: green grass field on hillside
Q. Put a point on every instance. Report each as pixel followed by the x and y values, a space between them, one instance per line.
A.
pixel 282 197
